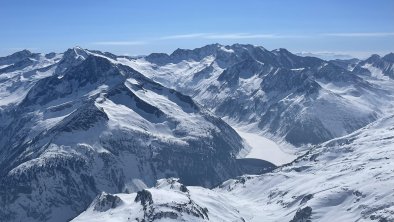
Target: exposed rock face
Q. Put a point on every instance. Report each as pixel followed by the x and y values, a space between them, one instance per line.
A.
pixel 145 197
pixel 169 200
pixel 377 66
pixel 303 215
pixel 156 211
pixel 106 201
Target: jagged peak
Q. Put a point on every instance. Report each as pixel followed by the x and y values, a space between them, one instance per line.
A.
pixel 76 52
pixel 71 57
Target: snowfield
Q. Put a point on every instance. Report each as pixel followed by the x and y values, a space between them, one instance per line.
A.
pixel 263 148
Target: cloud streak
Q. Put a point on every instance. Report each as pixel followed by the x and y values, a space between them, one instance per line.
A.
pixel 240 36
pixel 185 36
pixel 360 34
pixel 272 35
pixel 120 43
pixel 243 36
pixel 229 36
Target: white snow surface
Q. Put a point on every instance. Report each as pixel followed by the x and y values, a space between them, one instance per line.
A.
pixel 263 148
pixel 375 72
pixel 15 85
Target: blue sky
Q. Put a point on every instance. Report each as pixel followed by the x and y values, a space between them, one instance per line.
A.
pixel 357 27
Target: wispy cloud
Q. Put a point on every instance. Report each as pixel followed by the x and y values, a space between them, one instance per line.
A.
pixel 120 43
pixel 272 35
pixel 342 54
pixel 185 36
pixel 229 36
pixel 239 36
pixel 360 34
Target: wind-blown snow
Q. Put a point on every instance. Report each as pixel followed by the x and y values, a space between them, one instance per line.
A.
pixel 375 72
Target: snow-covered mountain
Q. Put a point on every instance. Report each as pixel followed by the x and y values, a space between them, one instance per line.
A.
pixel 300 99
pixel 87 130
pixel 348 64
pixel 345 179
pixel 20 71
pixel 326 55
pixel 80 123
pixel 376 66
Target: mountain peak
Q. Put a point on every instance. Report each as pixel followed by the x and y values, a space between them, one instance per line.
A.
pixel 389 57
pixel 23 52
pixel 373 58
pixel 282 51
pixel 20 54
pixel 71 57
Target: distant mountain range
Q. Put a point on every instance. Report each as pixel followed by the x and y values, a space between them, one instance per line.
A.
pixel 326 55
pixel 301 99
pixel 79 125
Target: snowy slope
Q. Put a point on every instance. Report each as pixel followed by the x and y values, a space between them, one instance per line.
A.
pixel 167 201
pixel 376 66
pixel 263 148
pixel 92 124
pixel 345 179
pixel 20 71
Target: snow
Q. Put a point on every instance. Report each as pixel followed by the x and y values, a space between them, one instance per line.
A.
pixel 349 179
pixel 265 149
pixel 298 69
pixel 186 205
pixel 15 85
pixel 375 72
pixel 223 48
pixel 5 66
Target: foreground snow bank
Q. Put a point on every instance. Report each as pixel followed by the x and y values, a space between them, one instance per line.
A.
pixel 168 200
